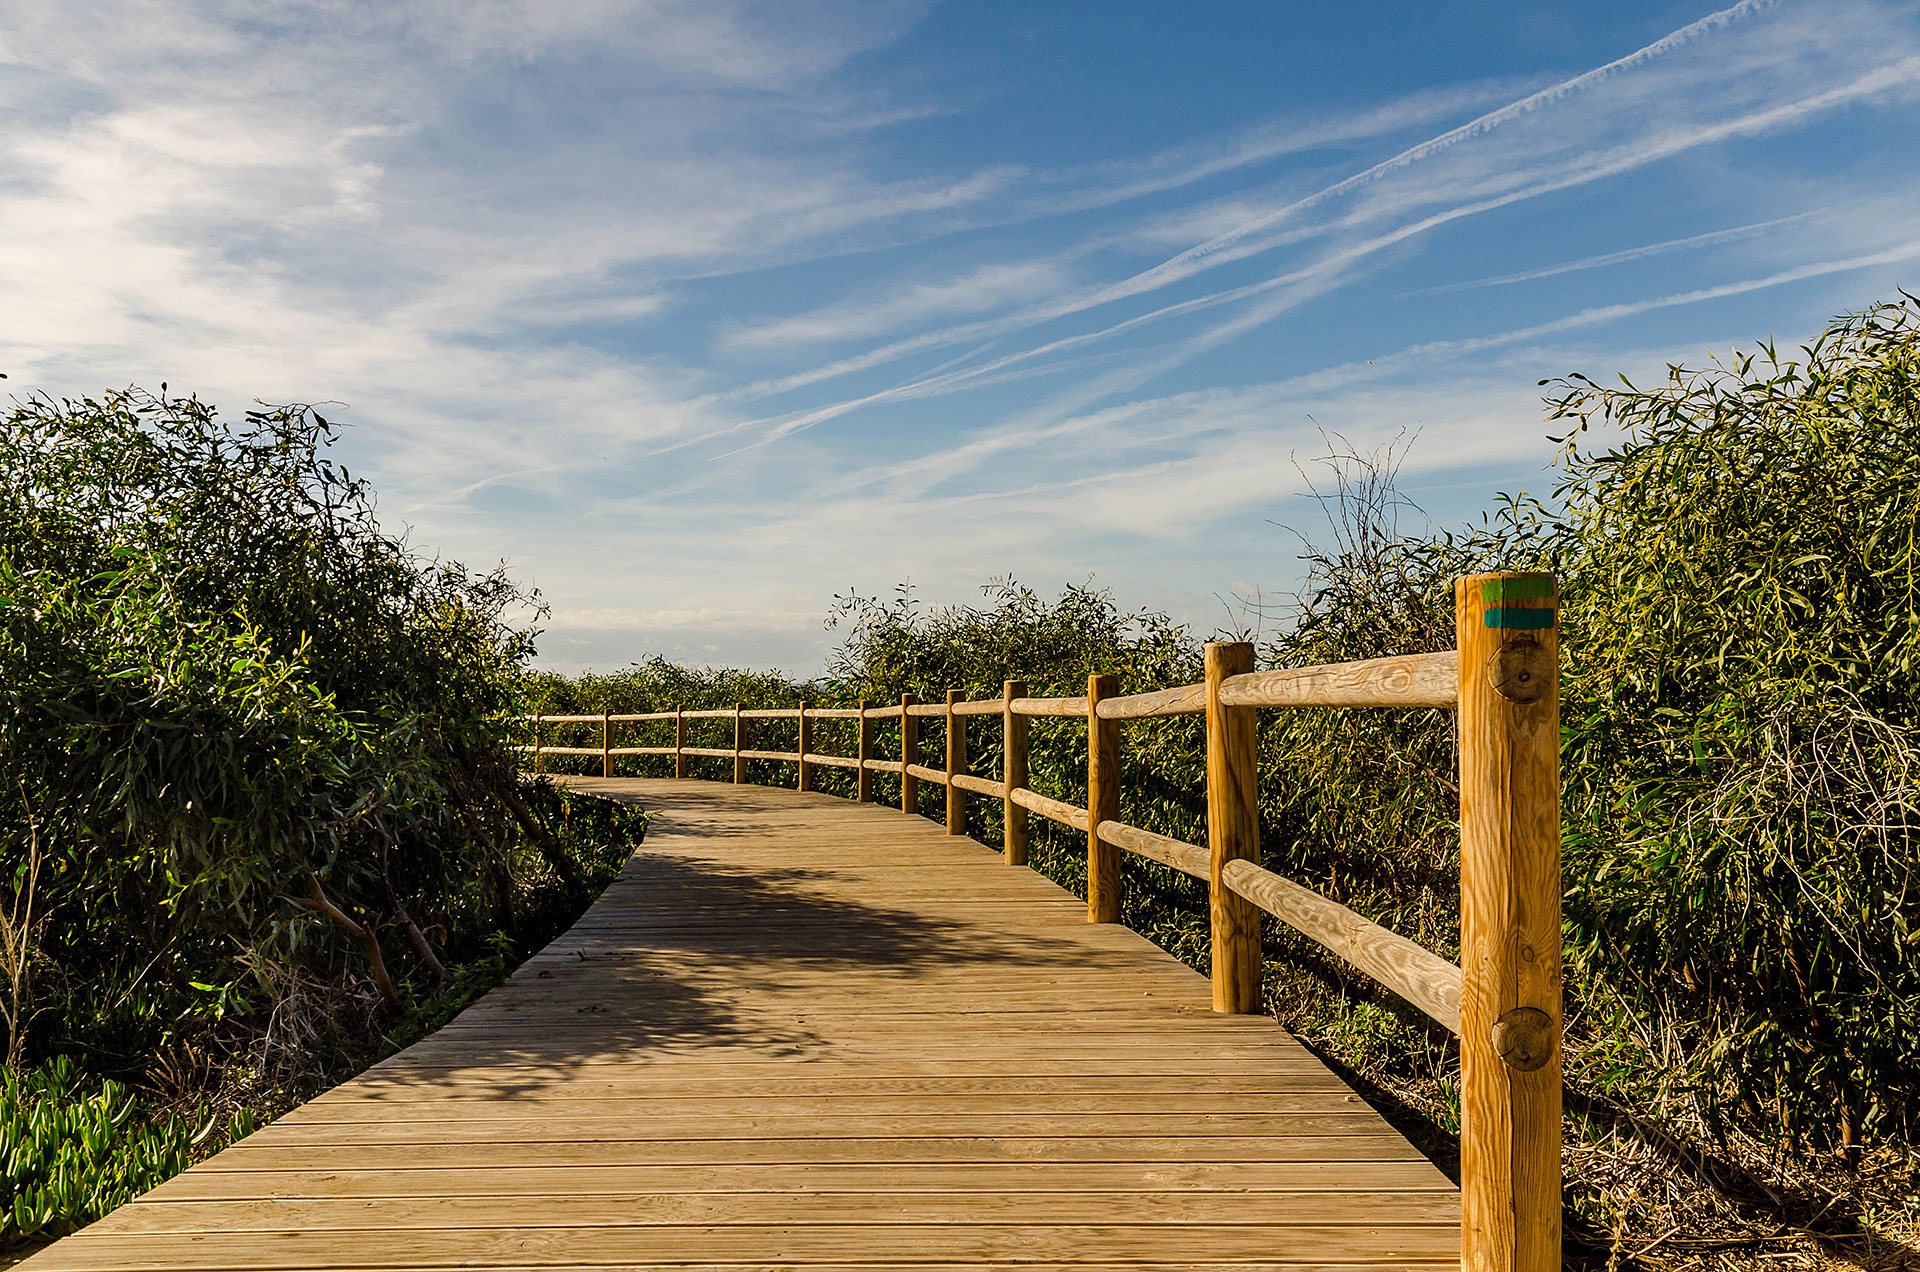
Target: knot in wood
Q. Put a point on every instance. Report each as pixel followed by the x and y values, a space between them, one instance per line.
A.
pixel 1524 1038
pixel 1521 671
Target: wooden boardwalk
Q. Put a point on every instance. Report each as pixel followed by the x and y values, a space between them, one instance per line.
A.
pixel 801 1032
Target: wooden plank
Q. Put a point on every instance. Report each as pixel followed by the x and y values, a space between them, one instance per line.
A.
pixel 1253 1181
pixel 653 1209
pixel 786 1245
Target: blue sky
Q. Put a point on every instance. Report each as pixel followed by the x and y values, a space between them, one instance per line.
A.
pixel 699 314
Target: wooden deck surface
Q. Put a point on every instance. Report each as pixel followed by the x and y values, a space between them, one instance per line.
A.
pixel 801 1032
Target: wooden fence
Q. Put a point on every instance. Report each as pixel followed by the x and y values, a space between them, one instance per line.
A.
pixel 1503 1001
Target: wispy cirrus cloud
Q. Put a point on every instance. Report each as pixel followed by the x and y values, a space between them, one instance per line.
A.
pixel 623 291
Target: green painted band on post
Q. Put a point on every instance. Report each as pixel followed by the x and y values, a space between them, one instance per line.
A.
pixel 1520 620
pixel 1538 587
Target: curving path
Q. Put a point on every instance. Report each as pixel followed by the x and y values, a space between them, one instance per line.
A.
pixel 801 1032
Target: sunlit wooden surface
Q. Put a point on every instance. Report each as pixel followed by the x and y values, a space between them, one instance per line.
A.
pixel 803 1032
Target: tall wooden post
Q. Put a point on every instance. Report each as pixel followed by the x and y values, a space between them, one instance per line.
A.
pixel 956 763
pixel 739 735
pixel 539 761
pixel 606 742
pixel 1233 832
pixel 680 741
pixel 1013 772
pixel 909 754
pixel 806 741
pixel 1103 803
pixel 863 776
pixel 1509 722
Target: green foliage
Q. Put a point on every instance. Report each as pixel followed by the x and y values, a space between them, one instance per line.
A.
pixel 247 739
pixel 74 1147
pixel 1743 835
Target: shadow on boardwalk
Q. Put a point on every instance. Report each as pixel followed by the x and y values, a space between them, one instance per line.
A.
pixel 688 951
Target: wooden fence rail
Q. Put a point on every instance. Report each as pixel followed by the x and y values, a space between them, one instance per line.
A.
pixel 1503 1001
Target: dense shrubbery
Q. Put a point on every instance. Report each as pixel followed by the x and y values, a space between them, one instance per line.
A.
pixel 255 784
pixel 1741 628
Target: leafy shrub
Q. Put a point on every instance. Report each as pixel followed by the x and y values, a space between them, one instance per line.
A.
pixel 73 1148
pixel 247 739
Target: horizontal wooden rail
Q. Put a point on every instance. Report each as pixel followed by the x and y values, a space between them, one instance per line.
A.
pixel 1182 856
pixel 1412 971
pixel 1075 707
pixel 979 785
pixel 1413 680
pixel 1052 809
pixel 1181 700
pixel 1503 1001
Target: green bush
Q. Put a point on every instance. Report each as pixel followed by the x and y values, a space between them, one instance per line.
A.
pixel 74 1147
pixel 247 739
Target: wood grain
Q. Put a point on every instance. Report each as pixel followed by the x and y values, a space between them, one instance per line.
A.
pixel 1179 700
pixel 1076 707
pixel 1187 858
pixel 1412 971
pixel 1103 803
pixel 1052 809
pixel 909 756
pixel 1411 680
pixel 1233 831
pixel 956 766
pixel 1013 776
pixel 1509 926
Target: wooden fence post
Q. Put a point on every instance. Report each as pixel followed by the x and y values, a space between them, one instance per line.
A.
pixel 956 763
pixel 739 761
pixel 1509 721
pixel 909 754
pixel 863 779
pixel 539 761
pixel 1233 832
pixel 806 739
pixel 680 741
pixel 606 742
pixel 1013 772
pixel 1103 803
